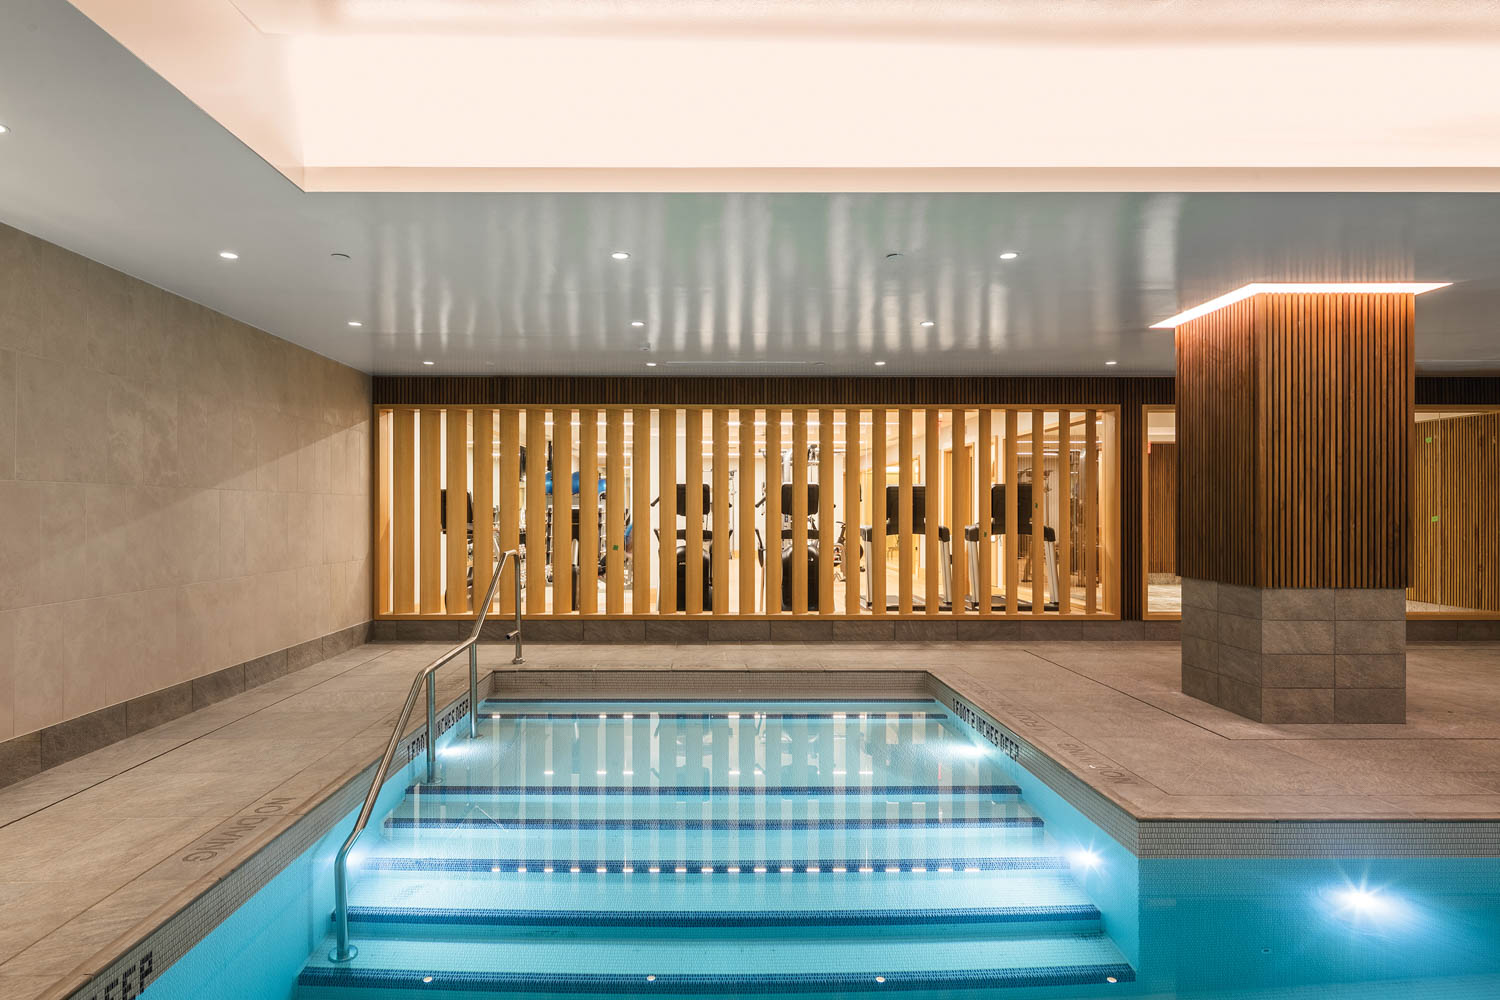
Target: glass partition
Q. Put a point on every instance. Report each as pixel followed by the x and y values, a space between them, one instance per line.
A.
pixel 1163 587
pixel 750 511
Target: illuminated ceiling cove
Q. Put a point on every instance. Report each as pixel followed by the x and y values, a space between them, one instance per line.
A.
pixel 839 95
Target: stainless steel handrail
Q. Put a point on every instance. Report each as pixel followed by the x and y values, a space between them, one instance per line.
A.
pixel 344 951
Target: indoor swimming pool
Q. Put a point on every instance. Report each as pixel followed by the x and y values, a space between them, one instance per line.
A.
pixel 814 847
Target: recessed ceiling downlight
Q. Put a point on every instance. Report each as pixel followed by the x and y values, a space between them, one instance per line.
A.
pixel 4 129
pixel 636 322
pixel 355 322
pixel 650 364
pixel 880 364
pixel 928 322
pixel 229 255
pixel 1111 362
pixel 429 362
pixel 1009 255
pixel 620 255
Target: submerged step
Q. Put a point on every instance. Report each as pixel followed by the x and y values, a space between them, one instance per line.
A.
pixel 701 866
pixel 713 791
pixel 671 824
pixel 411 916
pixel 872 963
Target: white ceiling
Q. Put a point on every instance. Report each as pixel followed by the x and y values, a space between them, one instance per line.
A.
pixel 107 159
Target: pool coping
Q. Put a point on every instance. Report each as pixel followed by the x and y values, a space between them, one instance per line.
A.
pixel 1082 777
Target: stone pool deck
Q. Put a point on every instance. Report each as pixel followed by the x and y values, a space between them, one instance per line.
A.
pixel 96 851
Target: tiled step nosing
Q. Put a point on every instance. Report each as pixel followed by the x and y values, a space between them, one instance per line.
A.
pixel 451 916
pixel 698 866
pixel 688 825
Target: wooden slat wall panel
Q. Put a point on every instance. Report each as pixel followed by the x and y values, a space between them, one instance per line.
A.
pixel 1161 507
pixel 1089 485
pixel 484 503
pixel 456 515
pixel 1455 510
pixel 1065 510
pixel 721 529
pixel 1012 513
pixel 878 477
pixel 562 510
pixel 536 512
pixel 773 512
pixel 984 590
pixel 799 513
pixel 962 493
pixel 588 511
pixel 827 532
pixel 404 512
pixel 1294 440
pixel 429 496
pixel 1038 440
pixel 509 501
pixel 950 473
pixel 640 511
pixel 693 577
pixel 852 519
pixel 614 512
pixel 932 466
pixel 745 542
pixel 666 516
pixel 904 552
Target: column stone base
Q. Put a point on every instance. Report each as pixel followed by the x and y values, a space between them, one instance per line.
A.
pixel 1289 656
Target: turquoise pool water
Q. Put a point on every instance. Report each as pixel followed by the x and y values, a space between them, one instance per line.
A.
pixel 726 848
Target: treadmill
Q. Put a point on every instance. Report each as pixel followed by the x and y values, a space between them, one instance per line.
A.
pixel 1023 527
pixel 918 527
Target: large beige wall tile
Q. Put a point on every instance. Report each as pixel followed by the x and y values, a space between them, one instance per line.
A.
pixel 7 414
pixel 178 492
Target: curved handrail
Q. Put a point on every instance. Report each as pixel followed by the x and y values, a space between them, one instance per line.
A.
pixel 344 951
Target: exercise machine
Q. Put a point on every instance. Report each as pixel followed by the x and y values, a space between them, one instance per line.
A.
pixel 918 527
pixel 1023 528
pixel 708 546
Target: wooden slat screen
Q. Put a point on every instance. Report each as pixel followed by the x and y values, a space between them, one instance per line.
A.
pixel 706 510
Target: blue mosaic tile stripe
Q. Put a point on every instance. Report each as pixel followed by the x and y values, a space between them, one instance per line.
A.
pixel 691 866
pixel 682 825
pixel 683 983
pixel 914 699
pixel 719 918
pixel 648 716
pixel 705 791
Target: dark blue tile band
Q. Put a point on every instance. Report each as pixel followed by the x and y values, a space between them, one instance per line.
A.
pixel 708 791
pixel 644 717
pixel 718 918
pixel 685 983
pixel 696 866
pixel 770 825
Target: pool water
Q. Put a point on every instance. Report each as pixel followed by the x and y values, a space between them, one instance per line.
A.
pixel 727 848
pixel 819 848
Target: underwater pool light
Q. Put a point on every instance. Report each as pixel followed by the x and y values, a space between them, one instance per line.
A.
pixel 1085 858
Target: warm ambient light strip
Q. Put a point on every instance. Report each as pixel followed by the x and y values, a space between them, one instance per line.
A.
pixel 1301 288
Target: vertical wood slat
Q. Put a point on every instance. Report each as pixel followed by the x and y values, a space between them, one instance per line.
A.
pixel 852 511
pixel 773 512
pixel 404 512
pixel 1012 514
pixel 1065 511
pixel 510 498
pixel 827 532
pixel 693 577
pixel 798 564
pixel 456 513
pixel 1038 512
pixel 721 528
pixel 429 496
pixel 963 491
pixel 1089 487
pixel 932 474
pixel 588 511
pixel 984 587
pixel 484 503
pixel 562 511
pixel 905 569
pixel 536 512
pixel 640 511
pixel 614 511
pixel 666 512
pixel 745 499
pixel 381 584
pixel 877 512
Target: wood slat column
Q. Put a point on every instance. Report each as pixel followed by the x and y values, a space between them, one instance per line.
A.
pixel 509 501
pixel 693 512
pixel 484 503
pixel 404 511
pixel 640 511
pixel 536 512
pixel 429 504
pixel 562 511
pixel 588 512
pixel 666 512
pixel 456 512
pixel 878 475
pixel 1294 447
pixel 773 511
pixel 614 512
